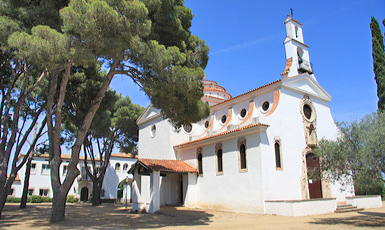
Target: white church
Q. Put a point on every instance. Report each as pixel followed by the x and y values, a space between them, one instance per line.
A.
pixel 252 154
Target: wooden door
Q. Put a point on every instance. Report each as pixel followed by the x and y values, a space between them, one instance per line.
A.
pixel 180 189
pixel 315 187
pixel 84 194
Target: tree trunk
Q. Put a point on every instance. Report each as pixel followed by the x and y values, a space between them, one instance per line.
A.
pixel 60 190
pixel 5 191
pixel 24 197
pixel 96 190
pixel 3 180
pixel 58 206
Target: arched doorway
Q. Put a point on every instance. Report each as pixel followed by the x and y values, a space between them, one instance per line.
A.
pixel 315 187
pixel 84 194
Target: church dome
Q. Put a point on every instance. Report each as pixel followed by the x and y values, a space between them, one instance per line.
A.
pixel 214 93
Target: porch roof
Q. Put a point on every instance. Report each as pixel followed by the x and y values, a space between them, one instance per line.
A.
pixel 146 166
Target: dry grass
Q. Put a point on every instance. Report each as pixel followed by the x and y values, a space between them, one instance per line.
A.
pixel 115 216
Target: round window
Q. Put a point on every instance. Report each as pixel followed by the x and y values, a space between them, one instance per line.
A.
pixel 153 131
pixel 307 111
pixel 224 118
pixel 243 113
pixel 187 128
pixel 265 106
pixel 207 123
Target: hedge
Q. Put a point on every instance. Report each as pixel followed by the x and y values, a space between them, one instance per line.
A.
pixel 38 199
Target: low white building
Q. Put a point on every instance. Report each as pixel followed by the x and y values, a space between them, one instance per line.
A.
pixel 252 154
pixel 40 180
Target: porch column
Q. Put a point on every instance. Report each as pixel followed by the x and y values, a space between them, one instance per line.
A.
pixel 136 185
pixel 191 192
pixel 154 192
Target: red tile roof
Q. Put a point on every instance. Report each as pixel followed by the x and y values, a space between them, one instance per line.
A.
pixel 251 91
pixel 289 62
pixel 223 133
pixel 17 178
pixel 167 165
pixel 68 156
pixel 124 155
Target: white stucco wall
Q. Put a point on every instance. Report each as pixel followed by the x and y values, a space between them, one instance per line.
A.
pixel 300 208
pixel 39 180
pixel 365 201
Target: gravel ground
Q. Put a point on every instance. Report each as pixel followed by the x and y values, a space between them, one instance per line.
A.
pixel 115 216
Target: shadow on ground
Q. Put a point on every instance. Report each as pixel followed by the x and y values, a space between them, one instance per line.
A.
pixel 364 219
pixel 107 216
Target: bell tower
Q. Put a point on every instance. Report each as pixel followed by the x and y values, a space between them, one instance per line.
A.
pixel 297 52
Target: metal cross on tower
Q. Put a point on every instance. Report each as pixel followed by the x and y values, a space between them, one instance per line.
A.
pixel 291 12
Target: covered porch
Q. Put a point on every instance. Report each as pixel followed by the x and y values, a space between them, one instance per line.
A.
pixel 170 182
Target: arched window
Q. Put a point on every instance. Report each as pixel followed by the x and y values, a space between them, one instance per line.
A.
pixel 300 55
pixel 125 167
pixel 242 152
pixel 277 148
pixel 219 161
pixel 200 164
pixel 307 111
pixel 117 167
pixel 296 31
pixel 153 130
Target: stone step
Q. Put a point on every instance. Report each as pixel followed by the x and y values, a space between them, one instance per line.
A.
pixel 344 205
pixel 347 208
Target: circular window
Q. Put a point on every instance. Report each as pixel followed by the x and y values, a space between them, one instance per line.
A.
pixel 207 123
pixel 243 113
pixel 265 106
pixel 307 111
pixel 224 118
pixel 187 128
pixel 153 131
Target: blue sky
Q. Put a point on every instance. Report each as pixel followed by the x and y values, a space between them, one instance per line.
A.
pixel 246 47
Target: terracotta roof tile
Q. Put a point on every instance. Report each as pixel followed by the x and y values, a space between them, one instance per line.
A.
pixel 17 178
pixel 289 62
pixel 68 156
pixel 261 87
pixel 223 133
pixel 124 155
pixel 207 89
pixel 167 165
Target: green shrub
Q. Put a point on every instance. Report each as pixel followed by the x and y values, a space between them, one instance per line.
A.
pixel 12 199
pixel 72 199
pixel 46 199
pixel 108 200
pixel 36 199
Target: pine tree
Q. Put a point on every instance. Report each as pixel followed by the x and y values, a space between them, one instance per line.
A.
pixel 148 41
pixel 378 61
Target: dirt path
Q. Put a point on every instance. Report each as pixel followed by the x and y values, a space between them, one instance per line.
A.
pixel 115 216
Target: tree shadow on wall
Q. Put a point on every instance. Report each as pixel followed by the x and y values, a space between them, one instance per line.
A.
pixel 365 219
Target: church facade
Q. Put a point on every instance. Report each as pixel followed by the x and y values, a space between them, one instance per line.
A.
pixel 253 154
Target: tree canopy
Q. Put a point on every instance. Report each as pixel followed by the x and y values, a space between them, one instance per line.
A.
pixel 149 41
pixel 358 153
